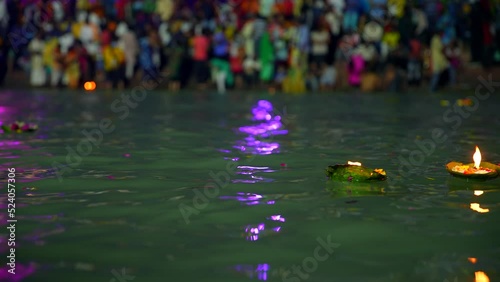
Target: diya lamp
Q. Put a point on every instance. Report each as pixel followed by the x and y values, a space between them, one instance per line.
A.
pixel 354 172
pixel 19 127
pixel 476 170
pixel 89 86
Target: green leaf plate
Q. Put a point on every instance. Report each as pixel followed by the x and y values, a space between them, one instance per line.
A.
pixel 353 173
pixel 490 175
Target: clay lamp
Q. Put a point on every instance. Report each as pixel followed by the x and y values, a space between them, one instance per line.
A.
pixel 477 170
pixel 19 127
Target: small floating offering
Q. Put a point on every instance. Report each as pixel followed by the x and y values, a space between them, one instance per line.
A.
pixel 19 127
pixel 354 172
pixel 478 170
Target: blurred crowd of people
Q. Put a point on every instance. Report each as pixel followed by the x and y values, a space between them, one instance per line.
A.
pixel 286 45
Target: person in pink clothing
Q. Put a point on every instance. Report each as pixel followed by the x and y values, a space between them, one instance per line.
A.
pixel 355 69
pixel 201 48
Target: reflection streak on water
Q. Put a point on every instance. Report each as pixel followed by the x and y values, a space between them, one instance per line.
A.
pixel 254 271
pixel 249 199
pixel 253 233
pixel 269 126
pixel 13 149
pixel 480 276
pixel 257 142
pixel 476 207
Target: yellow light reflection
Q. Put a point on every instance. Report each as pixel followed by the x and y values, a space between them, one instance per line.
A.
pixel 478 192
pixel 481 277
pixel 477 208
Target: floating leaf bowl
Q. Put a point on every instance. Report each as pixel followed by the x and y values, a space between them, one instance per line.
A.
pixel 19 127
pixel 476 176
pixel 354 173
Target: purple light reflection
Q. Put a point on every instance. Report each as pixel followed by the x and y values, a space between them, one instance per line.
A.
pixel 252 167
pixel 14 149
pixel 4 247
pixel 231 159
pixel 266 127
pixel 8 143
pixel 22 271
pixel 253 233
pixel 252 171
pixel 249 199
pixel 259 271
pixel 277 218
pixel 270 125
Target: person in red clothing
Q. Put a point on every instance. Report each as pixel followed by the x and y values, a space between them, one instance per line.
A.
pixel 201 47
pixel 120 9
pixel 236 57
pixel 285 8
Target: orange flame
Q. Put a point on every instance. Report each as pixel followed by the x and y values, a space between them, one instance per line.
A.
pixel 89 86
pixel 353 163
pixel 477 158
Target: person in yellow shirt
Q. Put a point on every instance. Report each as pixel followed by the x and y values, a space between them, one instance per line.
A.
pixel 391 36
pixel 114 63
pixel 439 62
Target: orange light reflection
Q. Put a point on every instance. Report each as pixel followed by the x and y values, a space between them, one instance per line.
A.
pixel 476 207
pixel 478 192
pixel 472 260
pixel 481 277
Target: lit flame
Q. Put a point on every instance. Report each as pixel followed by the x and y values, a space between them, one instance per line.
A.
pixel 472 260
pixel 89 86
pixel 353 163
pixel 481 277
pixel 477 158
pixel 478 192
pixel 476 207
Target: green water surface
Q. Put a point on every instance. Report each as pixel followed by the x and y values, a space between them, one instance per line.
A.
pixel 169 195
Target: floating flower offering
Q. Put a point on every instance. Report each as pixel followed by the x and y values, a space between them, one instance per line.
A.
pixel 478 170
pixel 354 172
pixel 19 127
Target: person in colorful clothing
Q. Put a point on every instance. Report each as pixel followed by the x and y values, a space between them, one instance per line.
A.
pixel 201 48
pixel 113 59
pixel 38 75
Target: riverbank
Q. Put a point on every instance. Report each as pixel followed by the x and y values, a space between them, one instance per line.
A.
pixel 467 80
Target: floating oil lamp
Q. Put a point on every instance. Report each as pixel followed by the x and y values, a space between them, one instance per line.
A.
pixel 354 172
pixel 477 170
pixel 19 127
pixel 89 86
